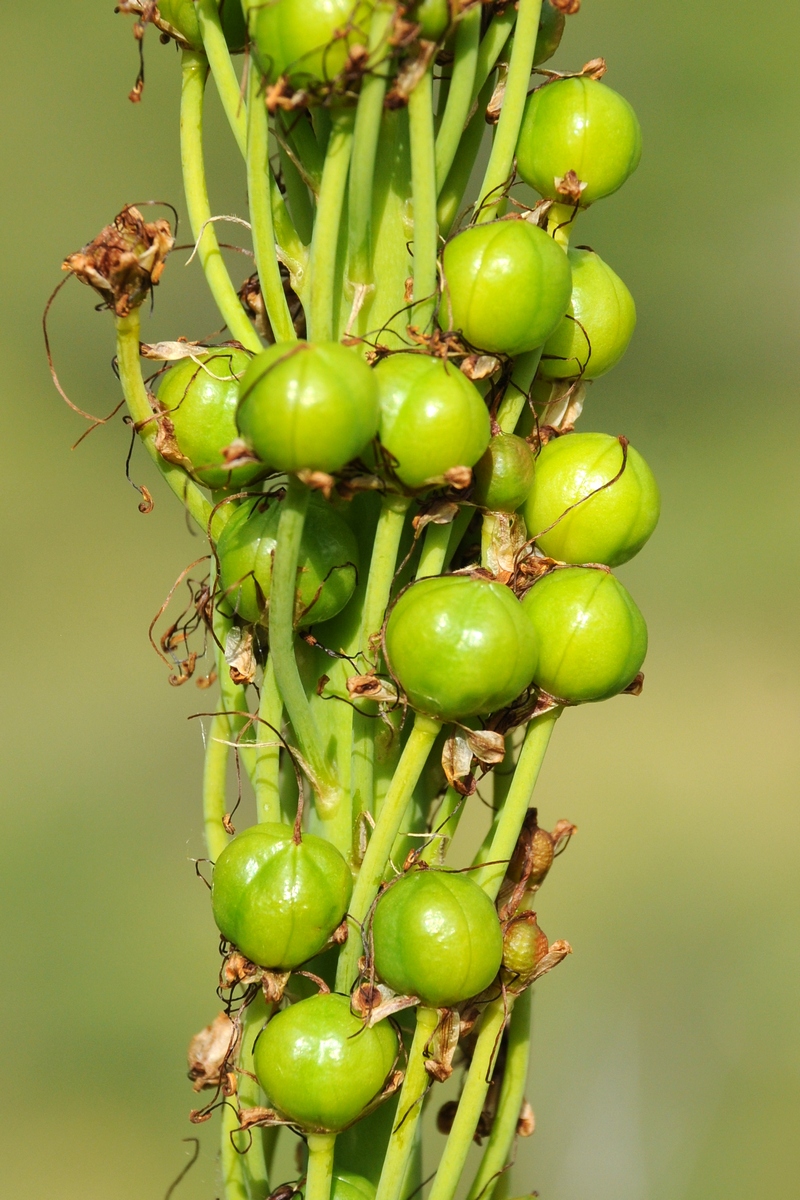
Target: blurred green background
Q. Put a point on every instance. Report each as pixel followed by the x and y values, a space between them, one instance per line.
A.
pixel 667 1050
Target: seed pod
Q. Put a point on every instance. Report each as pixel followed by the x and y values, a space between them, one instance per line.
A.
pixel 504 475
pixel 599 324
pixel 524 945
pixel 308 41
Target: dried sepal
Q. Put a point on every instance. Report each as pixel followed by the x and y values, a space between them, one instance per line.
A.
pixel 457 763
pixel 479 366
pixel 442 1045
pixel 555 955
pixel 125 260
pixel 371 687
pixel 507 539
pixel 240 655
pixel 273 985
pixel 210 1051
pixel 488 746
pixel 526 1123
pixel 570 187
pixel 373 1002
pixel 437 512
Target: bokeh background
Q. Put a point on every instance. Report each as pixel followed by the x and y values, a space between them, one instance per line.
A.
pixel 666 1063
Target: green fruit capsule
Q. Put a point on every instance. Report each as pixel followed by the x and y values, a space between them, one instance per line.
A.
pixel 182 16
pixel 507 286
pixel 460 646
pixel 308 41
pixel 432 418
pixel 320 1066
pixel 433 17
pixel 504 475
pixel 278 901
pixel 436 936
pixel 599 324
pixel 308 406
pixel 327 570
pixel 592 638
pixel 583 126
pixel 347 1186
pixel 199 397
pixel 607 526
pixel 524 945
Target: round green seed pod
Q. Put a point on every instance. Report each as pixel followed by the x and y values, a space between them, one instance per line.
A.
pixel 308 41
pixel 598 326
pixel 503 477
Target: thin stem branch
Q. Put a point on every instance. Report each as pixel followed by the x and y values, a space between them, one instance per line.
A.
pixel 434 550
pixel 516 397
pixel 461 94
pixel 451 196
pixel 492 44
pixel 215 783
pixel 325 242
pixel 423 189
pixel 268 750
pixel 250 1096
pixel 222 68
pixel 409 1109
pixel 320 1166
pixel 445 825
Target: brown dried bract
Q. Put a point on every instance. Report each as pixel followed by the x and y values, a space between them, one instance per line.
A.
pixel 479 366
pixel 210 1051
pixel 526 1125
pixel 236 969
pixel 570 187
pixel 409 76
pixel 442 1045
pixel 125 260
pixel 240 655
pixel 568 7
pixel 371 687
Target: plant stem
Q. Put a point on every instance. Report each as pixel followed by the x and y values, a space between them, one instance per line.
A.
pixel 423 188
pixel 373 868
pixel 297 196
pixel 225 77
pixel 471 1103
pixel 461 94
pixel 215 783
pixel 325 242
pixel 409 1109
pixel 498 172
pixel 516 397
pixel 490 875
pixel 460 527
pixel 195 72
pixel 255 1163
pixel 233 696
pixel 263 233
pixel 512 1094
pixel 320 1166
pixel 135 392
pixel 434 550
pixel 492 44
pixel 560 220
pixel 382 566
pixel 268 752
pixel 231 1161
pixel 445 824
pixel 452 192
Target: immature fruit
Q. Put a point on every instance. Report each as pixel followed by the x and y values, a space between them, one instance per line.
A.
pixel 347 1186
pixel 199 397
pixel 277 900
pixel 309 41
pixel 436 936
pixel 608 526
pixel 460 646
pixel 583 126
pixel 592 638
pixel 504 475
pixel 599 324
pixel 182 16
pixel 308 406
pixel 327 569
pixel 431 418
pixel 524 945
pixel 433 17
pixel 507 285
pixel 320 1066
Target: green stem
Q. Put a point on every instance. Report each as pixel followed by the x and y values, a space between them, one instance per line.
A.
pixel 560 220
pixel 268 752
pixel 445 824
pixel 460 527
pixel 382 566
pixel 434 550
pixel 373 868
pixel 135 392
pixel 451 195
pixel 320 1166
pixel 461 94
pixel 258 190
pixel 423 188
pixel 215 783
pixel 233 697
pixel 516 397
pixel 492 45
pixel 225 77
pixel 512 1094
pixel 325 242
pixel 297 196
pixel 195 71
pixel 471 1103
pixel 232 1167
pixel 501 161
pixel 537 737
pixel 255 1163
pixel 409 1109
pixel 298 134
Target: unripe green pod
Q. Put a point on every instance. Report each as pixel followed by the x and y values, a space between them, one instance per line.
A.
pixel 599 324
pixel 433 17
pixel 182 16
pixel 592 638
pixel 608 524
pixel 436 935
pixel 277 900
pixel 503 477
pixel 327 569
pixel 320 1066
pixel 583 126
pixel 306 40
pixel 524 945
pixel 507 286
pixel 347 1186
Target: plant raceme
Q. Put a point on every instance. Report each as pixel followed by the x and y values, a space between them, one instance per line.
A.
pixel 410 552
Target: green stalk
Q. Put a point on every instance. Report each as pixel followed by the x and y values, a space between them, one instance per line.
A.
pixel 451 195
pixel 387 827
pixel 268 754
pixel 231 1161
pixel 258 190
pixel 461 94
pixel 434 550
pixel 297 196
pixel 135 393
pixel 320 1166
pixel 233 696
pixel 325 242
pixel 215 783
pixel 445 823
pixel 255 1163
pixel 195 71
pixel 560 220
pixel 472 1100
pixel 298 134
pixel 222 68
pixel 460 527
pixel 492 44
pixel 490 874
pixel 513 403
pixel 423 188
pixel 504 146
pixel 512 1094
pixel 409 1109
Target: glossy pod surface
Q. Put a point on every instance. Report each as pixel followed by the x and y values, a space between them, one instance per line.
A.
pixel 276 900
pixel 503 476
pixel 507 285
pixel 320 1066
pixel 599 324
pixel 608 526
pixel 327 570
pixel 307 40
pixel 460 646
pixel 436 936
pixel 592 638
